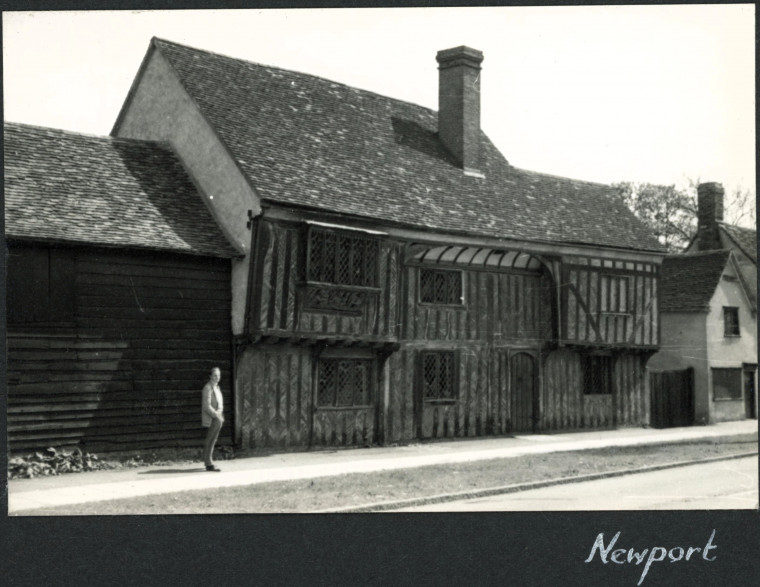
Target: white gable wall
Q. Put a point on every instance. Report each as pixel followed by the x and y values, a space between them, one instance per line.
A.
pixel 729 352
pixel 160 109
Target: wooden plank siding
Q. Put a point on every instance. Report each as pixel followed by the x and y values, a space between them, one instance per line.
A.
pixel 499 307
pixel 562 394
pixel 274 384
pixel 609 303
pixel 127 372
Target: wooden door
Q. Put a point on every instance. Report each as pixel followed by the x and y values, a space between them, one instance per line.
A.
pixel 523 392
pixel 749 394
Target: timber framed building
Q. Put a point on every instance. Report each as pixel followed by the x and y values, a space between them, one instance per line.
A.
pixel 400 280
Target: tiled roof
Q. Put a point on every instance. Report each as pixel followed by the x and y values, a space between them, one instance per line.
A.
pixel 688 282
pixel 64 186
pixel 744 238
pixel 303 140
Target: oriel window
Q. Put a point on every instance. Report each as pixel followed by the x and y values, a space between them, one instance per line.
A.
pixel 342 259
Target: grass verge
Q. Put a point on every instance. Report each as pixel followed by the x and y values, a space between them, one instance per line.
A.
pixel 311 495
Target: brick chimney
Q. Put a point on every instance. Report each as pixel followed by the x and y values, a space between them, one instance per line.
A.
pixel 459 105
pixel 709 214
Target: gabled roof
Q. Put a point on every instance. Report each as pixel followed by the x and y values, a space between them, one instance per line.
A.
pixel 306 141
pixel 688 282
pixel 745 239
pixel 69 187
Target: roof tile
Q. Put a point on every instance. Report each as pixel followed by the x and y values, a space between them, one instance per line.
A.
pixel 306 141
pixel 688 282
pixel 78 188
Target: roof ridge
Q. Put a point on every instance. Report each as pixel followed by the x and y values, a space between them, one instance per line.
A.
pixel 73 133
pixel 698 254
pixel 369 93
pixel 554 175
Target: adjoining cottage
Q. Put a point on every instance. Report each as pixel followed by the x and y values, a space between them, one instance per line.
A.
pixel 402 280
pixel 118 298
pixel 388 276
pixel 709 315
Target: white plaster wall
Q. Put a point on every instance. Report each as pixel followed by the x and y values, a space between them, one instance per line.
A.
pixel 161 110
pixel 726 351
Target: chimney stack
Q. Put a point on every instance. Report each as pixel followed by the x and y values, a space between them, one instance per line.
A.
pixel 709 214
pixel 459 105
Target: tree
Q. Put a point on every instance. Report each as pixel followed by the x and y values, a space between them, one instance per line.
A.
pixel 671 213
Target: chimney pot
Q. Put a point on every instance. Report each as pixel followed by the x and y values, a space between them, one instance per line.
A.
pixel 459 105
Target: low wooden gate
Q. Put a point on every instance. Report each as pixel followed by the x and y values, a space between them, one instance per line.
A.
pixel 672 398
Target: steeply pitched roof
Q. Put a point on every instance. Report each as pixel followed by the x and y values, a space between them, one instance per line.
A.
pixel 64 186
pixel 306 141
pixel 688 282
pixel 744 238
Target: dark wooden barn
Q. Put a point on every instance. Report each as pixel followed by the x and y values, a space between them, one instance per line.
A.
pixel 118 294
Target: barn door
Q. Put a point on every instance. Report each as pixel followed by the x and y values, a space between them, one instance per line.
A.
pixel 523 392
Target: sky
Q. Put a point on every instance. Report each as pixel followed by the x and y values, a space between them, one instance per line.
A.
pixel 658 94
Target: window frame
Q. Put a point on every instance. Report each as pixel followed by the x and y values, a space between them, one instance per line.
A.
pixel 371 246
pixel 369 393
pixel 728 326
pixel 589 362
pixel 738 372
pixel 453 381
pixel 447 273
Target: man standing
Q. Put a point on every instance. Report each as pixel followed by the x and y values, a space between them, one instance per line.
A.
pixel 211 416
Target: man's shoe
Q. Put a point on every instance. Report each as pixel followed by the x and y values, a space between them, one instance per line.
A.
pixel 213 468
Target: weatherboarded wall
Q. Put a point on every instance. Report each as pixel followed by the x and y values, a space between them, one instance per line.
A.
pixel 125 368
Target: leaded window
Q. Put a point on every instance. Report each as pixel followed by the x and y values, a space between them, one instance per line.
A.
pixel 597 374
pixel 438 376
pixel 344 382
pixel 342 259
pixel 440 287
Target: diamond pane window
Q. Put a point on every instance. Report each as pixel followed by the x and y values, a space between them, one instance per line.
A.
pixel 438 377
pixel 343 382
pixel 440 287
pixel 342 259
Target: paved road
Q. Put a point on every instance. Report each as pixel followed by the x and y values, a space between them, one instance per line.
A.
pixel 729 484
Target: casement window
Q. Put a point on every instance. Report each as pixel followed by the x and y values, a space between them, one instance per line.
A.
pixel 438 376
pixel 731 321
pixel 614 295
pixel 727 384
pixel 40 286
pixel 441 287
pixel 341 259
pixel 597 374
pixel 344 382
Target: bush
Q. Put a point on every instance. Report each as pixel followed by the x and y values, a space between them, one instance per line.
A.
pixel 52 462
